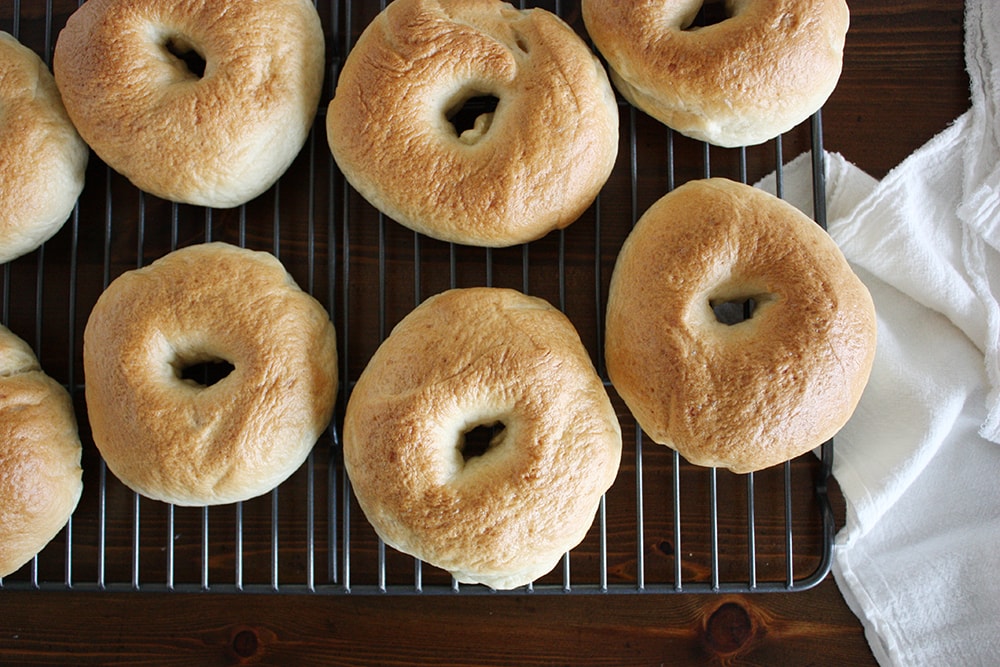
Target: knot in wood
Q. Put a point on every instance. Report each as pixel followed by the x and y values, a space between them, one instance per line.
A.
pixel 729 628
pixel 245 643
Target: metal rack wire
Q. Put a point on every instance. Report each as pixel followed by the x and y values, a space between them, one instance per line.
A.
pixel 665 526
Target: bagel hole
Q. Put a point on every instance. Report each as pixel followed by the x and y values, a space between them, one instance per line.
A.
pixel 480 439
pixel 472 117
pixel 734 311
pixel 521 43
pixel 710 13
pixel 181 49
pixel 205 373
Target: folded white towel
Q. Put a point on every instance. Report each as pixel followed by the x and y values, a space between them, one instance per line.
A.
pixel 918 462
pixel 916 557
pixel 979 210
pixel 892 233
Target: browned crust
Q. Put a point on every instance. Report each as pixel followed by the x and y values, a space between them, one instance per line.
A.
pixel 469 357
pixel 174 441
pixel 757 393
pixel 739 82
pixel 40 475
pixel 216 141
pixel 42 158
pixel 551 146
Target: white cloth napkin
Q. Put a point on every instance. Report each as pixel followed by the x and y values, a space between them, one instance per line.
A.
pixel 919 557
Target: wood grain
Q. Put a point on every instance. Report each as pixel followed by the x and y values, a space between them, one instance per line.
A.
pixel 260 629
pixel 903 82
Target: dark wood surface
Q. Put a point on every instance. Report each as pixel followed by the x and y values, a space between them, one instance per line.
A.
pixel 903 81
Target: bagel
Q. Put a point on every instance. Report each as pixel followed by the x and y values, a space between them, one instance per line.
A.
pixel 742 81
pixel 176 439
pixel 482 357
pixel 531 166
pixel 42 158
pixel 40 475
pixel 752 393
pixel 202 103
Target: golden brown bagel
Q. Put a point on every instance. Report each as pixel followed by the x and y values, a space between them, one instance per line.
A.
pixel 42 158
pixel 758 73
pixel 219 139
pixel 40 475
pixel 532 166
pixel 175 440
pixel 752 394
pixel 480 357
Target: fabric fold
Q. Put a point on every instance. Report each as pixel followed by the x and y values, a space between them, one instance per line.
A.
pixel 917 462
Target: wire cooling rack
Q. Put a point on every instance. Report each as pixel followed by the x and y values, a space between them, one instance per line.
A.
pixel 664 527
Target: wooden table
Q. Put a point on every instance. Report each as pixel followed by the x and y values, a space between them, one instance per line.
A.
pixel 903 81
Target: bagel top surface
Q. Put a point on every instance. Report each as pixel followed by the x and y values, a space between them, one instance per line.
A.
pixel 40 474
pixel 129 73
pixel 176 439
pixel 470 358
pixel 42 158
pixel 752 394
pixel 741 81
pixel 533 165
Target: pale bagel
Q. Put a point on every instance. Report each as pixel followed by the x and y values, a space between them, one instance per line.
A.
pixel 531 166
pixel 472 358
pixel 742 81
pixel 748 395
pixel 175 439
pixel 214 138
pixel 40 475
pixel 42 158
